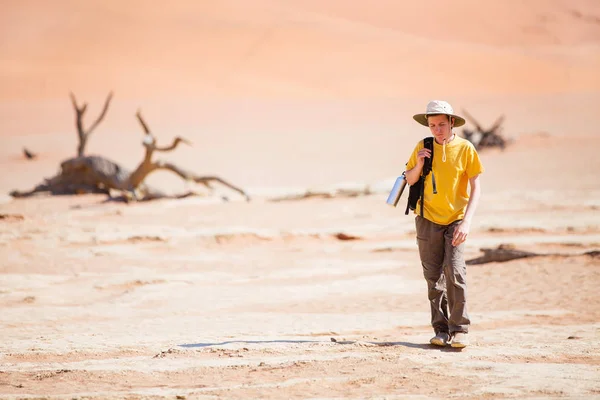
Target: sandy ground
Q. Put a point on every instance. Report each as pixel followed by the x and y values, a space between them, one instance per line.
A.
pixel 319 298
pixel 241 300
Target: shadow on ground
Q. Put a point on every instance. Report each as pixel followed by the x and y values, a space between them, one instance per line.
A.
pixel 331 341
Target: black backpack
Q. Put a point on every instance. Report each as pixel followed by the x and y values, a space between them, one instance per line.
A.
pixel 417 191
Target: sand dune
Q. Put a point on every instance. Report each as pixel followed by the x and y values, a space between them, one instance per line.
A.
pixel 265 88
pixel 297 48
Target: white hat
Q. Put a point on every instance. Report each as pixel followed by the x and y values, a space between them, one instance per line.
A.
pixel 438 107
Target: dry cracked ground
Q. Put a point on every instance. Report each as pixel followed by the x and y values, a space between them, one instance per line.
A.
pixel 318 299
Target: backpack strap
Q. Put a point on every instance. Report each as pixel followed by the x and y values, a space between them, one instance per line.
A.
pixel 427 168
pixel 422 195
pixel 418 192
pixel 428 144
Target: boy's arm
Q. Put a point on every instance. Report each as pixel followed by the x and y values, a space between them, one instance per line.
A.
pixel 474 198
pixel 418 160
pixel 462 230
pixel 412 175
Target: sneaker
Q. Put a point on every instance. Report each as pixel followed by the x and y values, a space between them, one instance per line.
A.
pixel 440 339
pixel 460 340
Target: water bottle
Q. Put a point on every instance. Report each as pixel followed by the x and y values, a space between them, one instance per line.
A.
pixel 397 190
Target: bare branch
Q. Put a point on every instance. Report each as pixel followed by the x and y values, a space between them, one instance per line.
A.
pixel 497 124
pixel 150 145
pixel 74 102
pixel 176 141
pixel 79 111
pixel 79 125
pixel 147 166
pixel 472 120
pixel 190 176
pixel 144 126
pixel 102 114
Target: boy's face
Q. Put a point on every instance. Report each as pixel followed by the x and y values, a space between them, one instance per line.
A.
pixel 440 127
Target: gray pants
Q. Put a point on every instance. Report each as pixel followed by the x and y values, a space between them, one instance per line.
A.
pixel 445 271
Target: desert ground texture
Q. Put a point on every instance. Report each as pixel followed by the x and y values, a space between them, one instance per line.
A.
pixel 313 289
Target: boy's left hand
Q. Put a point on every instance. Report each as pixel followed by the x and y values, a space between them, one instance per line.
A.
pixel 460 233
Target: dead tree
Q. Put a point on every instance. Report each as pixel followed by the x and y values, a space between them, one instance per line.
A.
pixel 505 253
pixel 147 165
pixel 485 138
pixel 81 175
pixel 81 132
pixel 97 174
pixel 502 253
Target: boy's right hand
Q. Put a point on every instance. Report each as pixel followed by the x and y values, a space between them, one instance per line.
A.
pixel 421 156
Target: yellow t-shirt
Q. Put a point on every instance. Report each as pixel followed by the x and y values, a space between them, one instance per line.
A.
pixel 451 178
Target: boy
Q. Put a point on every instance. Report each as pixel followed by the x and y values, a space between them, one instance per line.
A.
pixel 445 224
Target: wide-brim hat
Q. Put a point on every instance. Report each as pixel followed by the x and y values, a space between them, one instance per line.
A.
pixel 439 107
